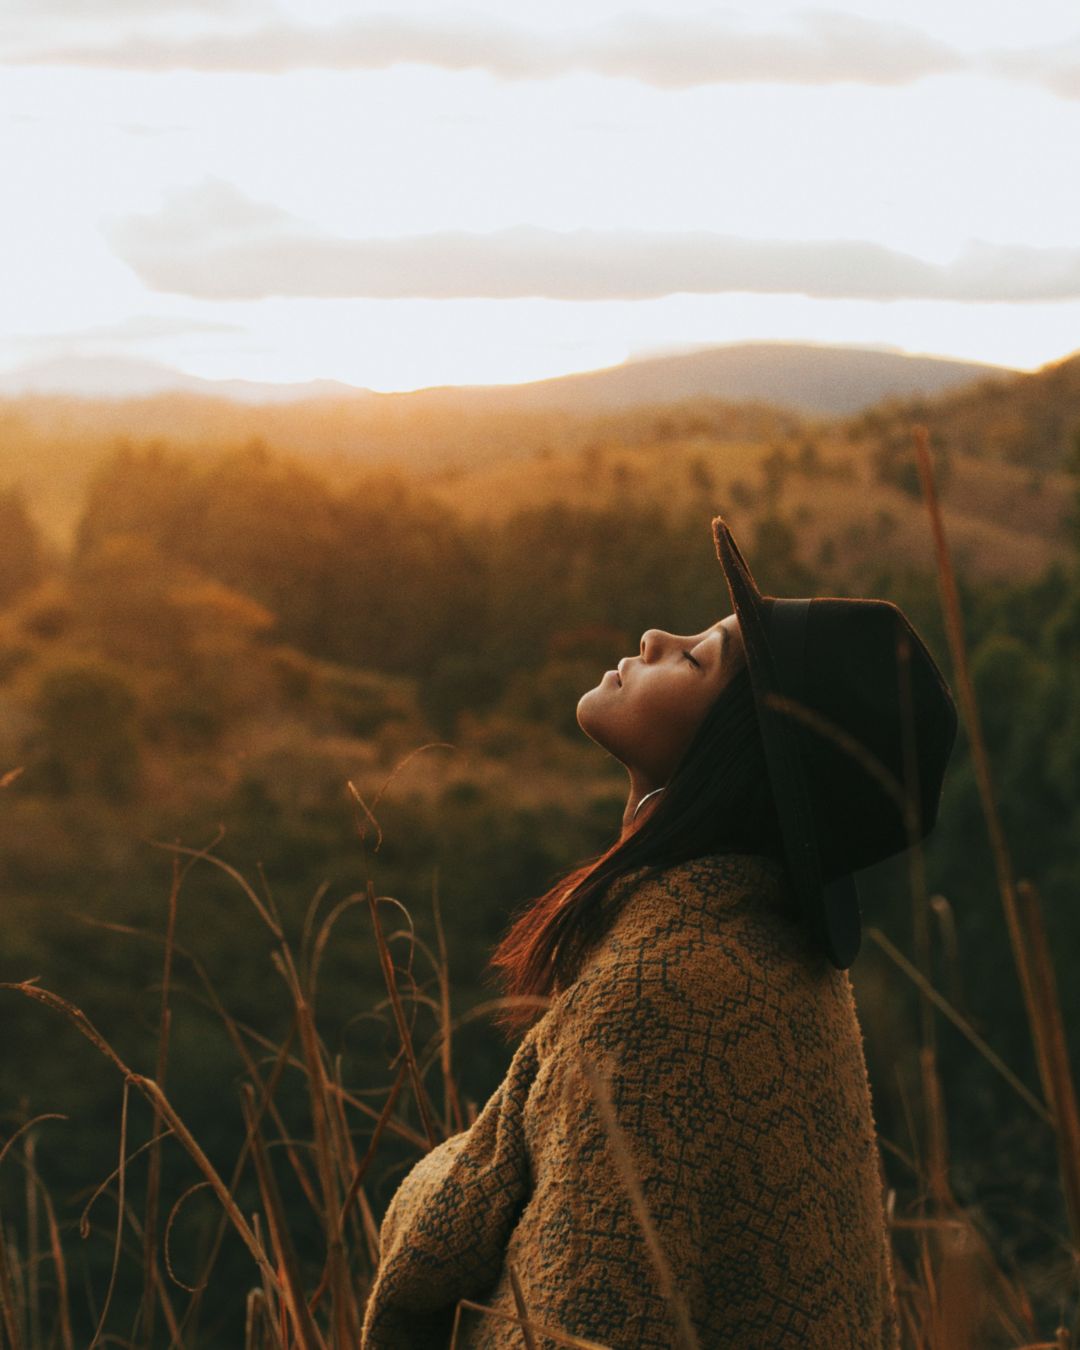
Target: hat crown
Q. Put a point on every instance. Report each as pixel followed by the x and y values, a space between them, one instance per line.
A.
pixel 874 725
pixel 857 724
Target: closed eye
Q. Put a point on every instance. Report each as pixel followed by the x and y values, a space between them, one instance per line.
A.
pixel 693 661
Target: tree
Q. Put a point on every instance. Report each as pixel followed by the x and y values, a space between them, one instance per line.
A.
pixel 776 557
pixel 86 714
pixel 808 460
pixel 700 475
pixel 774 470
pixel 21 564
pixel 1072 467
pixel 894 463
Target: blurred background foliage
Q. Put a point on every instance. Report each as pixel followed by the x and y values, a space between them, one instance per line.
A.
pixel 219 642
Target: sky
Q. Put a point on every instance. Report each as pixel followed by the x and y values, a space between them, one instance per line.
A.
pixel 504 191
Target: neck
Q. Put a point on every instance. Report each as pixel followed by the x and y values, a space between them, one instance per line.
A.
pixel 639 803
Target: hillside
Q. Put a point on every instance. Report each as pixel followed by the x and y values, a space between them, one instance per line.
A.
pixel 847 513
pixel 122 377
pixel 848 483
pixel 51 446
pixel 1027 420
pixel 810 380
pixel 51 442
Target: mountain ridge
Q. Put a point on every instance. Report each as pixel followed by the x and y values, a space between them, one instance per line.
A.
pixel 810 379
pixel 805 378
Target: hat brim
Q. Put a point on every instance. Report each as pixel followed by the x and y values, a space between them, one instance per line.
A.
pixel 830 909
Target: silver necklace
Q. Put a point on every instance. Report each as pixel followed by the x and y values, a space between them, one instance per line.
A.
pixel 645 799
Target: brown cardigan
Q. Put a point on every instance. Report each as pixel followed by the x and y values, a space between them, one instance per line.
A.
pixel 734 1063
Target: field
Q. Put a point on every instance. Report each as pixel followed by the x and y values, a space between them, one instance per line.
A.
pixel 289 735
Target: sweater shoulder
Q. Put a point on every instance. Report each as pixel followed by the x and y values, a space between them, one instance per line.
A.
pixel 707 936
pixel 714 909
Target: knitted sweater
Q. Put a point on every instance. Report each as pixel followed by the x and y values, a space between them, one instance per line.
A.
pixel 733 1061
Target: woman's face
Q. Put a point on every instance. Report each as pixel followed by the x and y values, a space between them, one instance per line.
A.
pixel 647 712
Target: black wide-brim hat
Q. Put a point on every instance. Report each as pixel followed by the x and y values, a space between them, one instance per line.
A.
pixel 858 724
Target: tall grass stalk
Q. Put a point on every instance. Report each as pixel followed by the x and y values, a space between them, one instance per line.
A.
pixel 961 1023
pixel 1060 1090
pixel 1030 951
pixel 387 964
pixel 153 1183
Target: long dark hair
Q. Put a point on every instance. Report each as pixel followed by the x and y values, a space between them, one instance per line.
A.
pixel 718 800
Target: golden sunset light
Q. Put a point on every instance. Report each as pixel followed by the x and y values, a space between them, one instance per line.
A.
pixel 539 674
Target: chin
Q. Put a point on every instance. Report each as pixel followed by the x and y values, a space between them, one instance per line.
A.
pixel 586 713
pixel 592 721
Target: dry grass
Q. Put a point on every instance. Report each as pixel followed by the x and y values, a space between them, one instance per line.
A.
pixel 953 1292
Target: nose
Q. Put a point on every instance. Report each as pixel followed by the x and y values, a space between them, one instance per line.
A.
pixel 653 641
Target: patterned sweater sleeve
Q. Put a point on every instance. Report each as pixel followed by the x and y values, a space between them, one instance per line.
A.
pixel 445 1232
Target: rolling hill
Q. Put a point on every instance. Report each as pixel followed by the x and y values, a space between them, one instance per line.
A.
pixel 489 452
pixel 1031 421
pixel 808 379
pixel 811 380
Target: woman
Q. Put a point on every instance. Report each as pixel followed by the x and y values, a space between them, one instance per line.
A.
pixel 682 1151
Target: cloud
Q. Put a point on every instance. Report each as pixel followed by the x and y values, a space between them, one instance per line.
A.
pixel 135 328
pixel 211 212
pixel 94 10
pixel 35 30
pixel 814 47
pixel 145 129
pixel 1054 68
pixel 214 243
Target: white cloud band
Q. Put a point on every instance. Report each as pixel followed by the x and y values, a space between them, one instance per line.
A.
pixel 214 243
pixel 816 47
